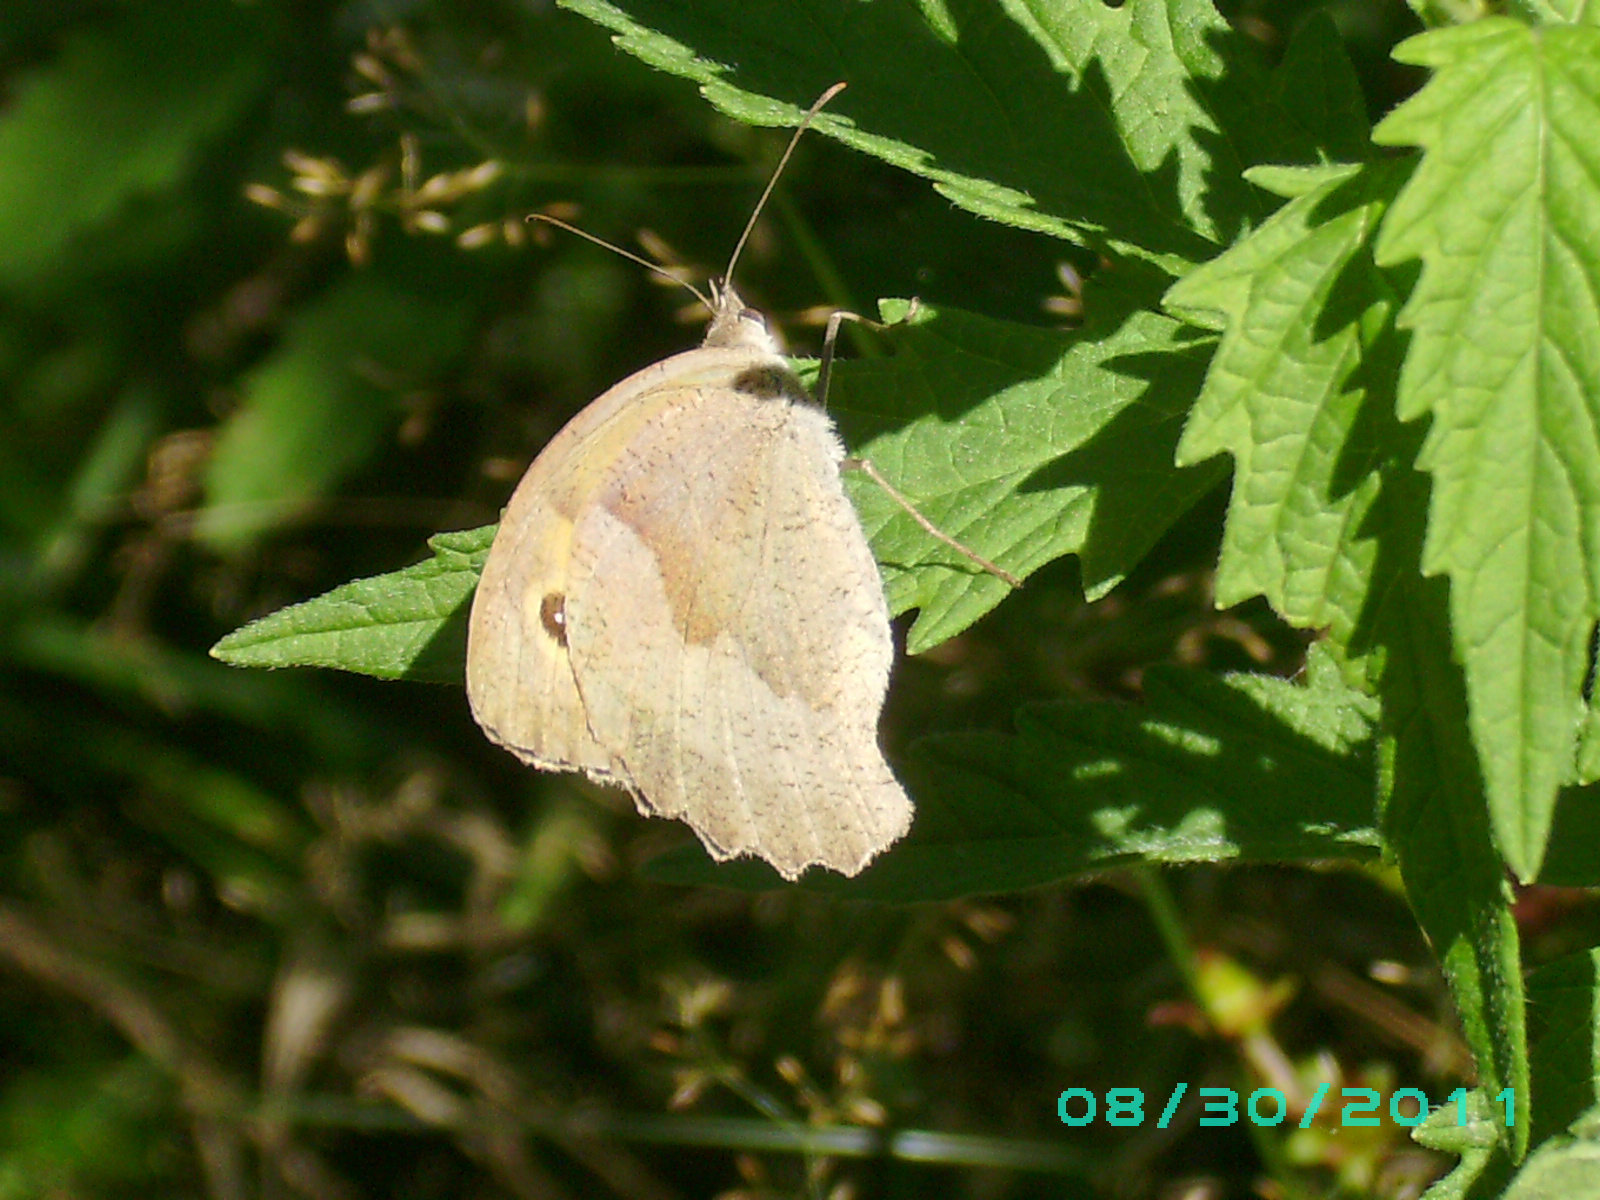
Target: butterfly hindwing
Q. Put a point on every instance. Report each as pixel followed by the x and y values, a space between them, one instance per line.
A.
pixel 737 675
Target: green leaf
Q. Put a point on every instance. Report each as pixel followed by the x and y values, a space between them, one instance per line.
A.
pixel 107 472
pixel 1574 856
pixel 1325 520
pixel 1554 12
pixel 1564 1168
pixel 409 624
pixel 1587 768
pixel 1317 82
pixel 1501 212
pixel 1085 786
pixel 1127 126
pixel 1564 1008
pixel 1024 444
pixel 1302 308
pixel 1437 827
pixel 1474 1136
pixel 320 406
pixel 122 113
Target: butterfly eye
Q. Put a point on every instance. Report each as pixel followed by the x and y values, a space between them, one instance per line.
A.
pixel 754 314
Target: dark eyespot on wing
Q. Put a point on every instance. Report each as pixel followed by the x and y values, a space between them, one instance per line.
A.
pixel 771 383
pixel 553 616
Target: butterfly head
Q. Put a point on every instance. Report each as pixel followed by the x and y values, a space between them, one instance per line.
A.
pixel 735 325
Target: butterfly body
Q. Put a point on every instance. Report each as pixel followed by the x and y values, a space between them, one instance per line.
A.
pixel 680 600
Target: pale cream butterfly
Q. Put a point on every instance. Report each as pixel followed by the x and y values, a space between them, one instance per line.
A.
pixel 680 600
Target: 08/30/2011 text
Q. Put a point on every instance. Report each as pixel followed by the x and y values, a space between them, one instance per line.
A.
pixel 1267 1106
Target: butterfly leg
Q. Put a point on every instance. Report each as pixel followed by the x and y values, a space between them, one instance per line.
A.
pixel 830 338
pixel 865 466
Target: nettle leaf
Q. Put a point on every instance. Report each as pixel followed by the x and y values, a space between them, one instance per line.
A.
pixel 1435 822
pixel 1501 211
pixel 321 404
pixel 1301 306
pixel 1084 786
pixel 1316 81
pixel 122 113
pixel 1573 859
pixel 1325 521
pixel 1563 1168
pixel 1024 444
pixel 1127 126
pixel 1564 1003
pixel 409 624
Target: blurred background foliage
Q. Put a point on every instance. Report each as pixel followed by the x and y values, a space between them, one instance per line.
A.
pixel 269 316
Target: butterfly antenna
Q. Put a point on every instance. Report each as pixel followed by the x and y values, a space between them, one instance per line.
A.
pixel 805 123
pixel 627 254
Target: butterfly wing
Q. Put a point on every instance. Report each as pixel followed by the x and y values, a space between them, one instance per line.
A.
pixel 728 633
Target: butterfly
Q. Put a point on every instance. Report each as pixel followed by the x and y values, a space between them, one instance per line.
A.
pixel 680 600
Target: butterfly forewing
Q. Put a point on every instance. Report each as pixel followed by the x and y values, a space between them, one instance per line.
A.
pixel 519 677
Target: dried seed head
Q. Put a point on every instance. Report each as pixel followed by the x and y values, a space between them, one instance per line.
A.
pixel 369 102
pixel 371 69
pixel 478 235
pixel 368 187
pixel 267 197
pixel 481 176
pixel 434 188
